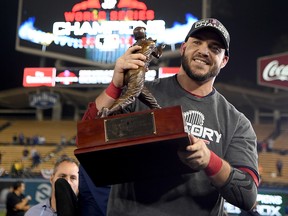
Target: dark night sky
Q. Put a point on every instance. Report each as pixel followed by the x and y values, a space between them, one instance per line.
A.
pixel 257 27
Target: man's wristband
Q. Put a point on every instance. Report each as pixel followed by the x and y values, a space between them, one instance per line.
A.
pixel 214 165
pixel 113 91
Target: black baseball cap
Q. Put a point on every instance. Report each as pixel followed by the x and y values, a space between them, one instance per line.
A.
pixel 215 25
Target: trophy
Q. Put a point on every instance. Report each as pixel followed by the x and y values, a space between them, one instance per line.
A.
pixel 116 148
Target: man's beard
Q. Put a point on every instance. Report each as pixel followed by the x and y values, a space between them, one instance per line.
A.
pixel 194 76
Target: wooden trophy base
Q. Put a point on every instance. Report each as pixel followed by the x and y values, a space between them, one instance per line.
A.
pixel 132 147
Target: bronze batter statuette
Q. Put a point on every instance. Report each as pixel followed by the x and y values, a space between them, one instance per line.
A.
pixel 134 79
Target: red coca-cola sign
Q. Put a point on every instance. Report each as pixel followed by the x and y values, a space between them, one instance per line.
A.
pixel 273 71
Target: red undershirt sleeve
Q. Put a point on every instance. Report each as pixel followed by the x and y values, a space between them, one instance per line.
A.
pixel 91 112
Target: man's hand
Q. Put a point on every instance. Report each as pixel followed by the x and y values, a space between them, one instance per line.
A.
pixel 196 155
pixel 28 197
pixel 129 60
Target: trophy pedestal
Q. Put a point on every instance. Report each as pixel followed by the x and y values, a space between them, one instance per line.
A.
pixel 132 147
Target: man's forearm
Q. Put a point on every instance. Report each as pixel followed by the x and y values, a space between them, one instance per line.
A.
pixel 108 96
pixel 237 187
pixel 221 177
pixel 22 204
pixel 103 100
pixel 240 189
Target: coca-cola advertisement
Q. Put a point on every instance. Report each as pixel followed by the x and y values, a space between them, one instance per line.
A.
pixel 273 71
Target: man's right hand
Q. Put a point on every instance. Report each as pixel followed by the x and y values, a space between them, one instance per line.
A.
pixel 129 60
